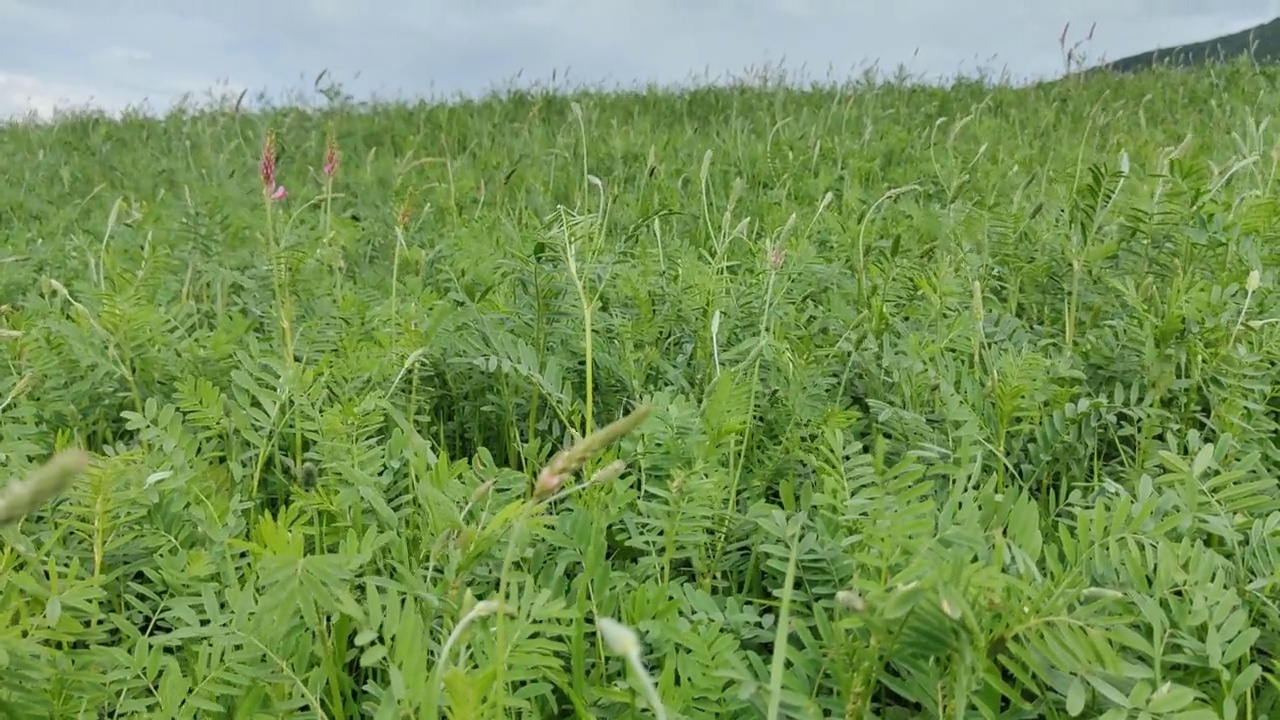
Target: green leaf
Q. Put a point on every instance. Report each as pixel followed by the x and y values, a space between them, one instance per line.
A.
pixel 1202 461
pixel 373 655
pixel 1111 692
pixel 1076 696
pixel 1241 683
pixel 1169 698
pixel 1242 644
pixel 1197 714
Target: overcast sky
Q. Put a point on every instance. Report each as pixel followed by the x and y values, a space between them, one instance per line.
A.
pixel 118 53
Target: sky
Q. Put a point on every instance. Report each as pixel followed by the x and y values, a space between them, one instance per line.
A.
pixel 73 53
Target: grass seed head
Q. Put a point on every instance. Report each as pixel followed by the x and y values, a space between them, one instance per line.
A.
pixel 609 472
pixel 24 496
pixel 308 473
pixel 572 459
pixel 619 638
pixel 548 483
pixel 482 491
pixel 851 600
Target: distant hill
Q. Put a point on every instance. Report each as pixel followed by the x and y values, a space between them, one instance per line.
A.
pixel 1261 43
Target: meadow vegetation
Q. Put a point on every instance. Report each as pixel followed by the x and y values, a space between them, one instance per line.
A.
pixel 870 401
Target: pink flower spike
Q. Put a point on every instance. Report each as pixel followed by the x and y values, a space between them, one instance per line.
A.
pixel 267 166
pixel 331 162
pixel 280 193
pixel 777 256
pixel 331 155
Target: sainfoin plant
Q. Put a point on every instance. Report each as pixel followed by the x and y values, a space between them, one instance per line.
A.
pixel 876 400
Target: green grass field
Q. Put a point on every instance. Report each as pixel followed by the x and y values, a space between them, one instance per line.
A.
pixel 934 402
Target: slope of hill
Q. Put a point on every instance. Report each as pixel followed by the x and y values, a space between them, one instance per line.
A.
pixel 1260 43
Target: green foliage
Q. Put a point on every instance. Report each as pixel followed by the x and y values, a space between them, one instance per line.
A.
pixel 956 403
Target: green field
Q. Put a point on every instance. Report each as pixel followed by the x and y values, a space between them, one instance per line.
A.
pixel 953 402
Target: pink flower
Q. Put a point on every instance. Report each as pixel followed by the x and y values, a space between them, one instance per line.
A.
pixel 331 156
pixel 267 166
pixel 777 256
pixel 280 193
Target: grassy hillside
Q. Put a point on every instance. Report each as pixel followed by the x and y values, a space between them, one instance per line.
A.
pixel 1259 44
pixel 939 402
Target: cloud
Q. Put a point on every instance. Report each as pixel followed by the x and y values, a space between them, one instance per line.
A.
pixel 119 54
pixel 23 95
pixel 136 49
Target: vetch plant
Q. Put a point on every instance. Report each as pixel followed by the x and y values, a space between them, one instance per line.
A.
pixel 273 192
pixel 332 156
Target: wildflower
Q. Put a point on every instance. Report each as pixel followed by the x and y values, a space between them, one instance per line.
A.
pixel 777 256
pixel 406 212
pixel 267 169
pixel 331 156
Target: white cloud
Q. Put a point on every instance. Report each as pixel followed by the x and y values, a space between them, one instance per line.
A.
pixel 119 54
pixel 22 95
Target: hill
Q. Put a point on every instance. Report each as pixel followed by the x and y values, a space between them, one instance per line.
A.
pixel 1260 44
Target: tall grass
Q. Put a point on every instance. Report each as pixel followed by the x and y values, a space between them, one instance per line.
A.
pixel 865 401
